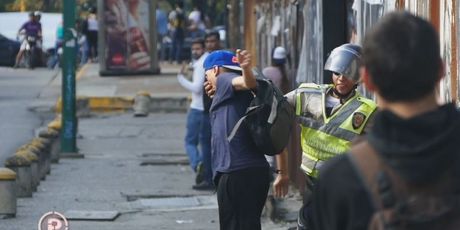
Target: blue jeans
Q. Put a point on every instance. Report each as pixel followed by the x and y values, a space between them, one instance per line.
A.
pixel 206 147
pixel 84 50
pixel 194 121
pixel 176 49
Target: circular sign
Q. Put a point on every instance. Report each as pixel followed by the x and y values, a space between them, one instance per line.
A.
pixel 53 221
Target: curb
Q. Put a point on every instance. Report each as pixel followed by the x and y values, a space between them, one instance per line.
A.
pixel 99 104
pixel 30 164
pixel 125 104
pixel 111 104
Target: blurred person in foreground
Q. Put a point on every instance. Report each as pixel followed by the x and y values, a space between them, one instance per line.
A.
pixel 411 148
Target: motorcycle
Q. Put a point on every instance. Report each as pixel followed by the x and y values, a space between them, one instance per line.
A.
pixel 31 52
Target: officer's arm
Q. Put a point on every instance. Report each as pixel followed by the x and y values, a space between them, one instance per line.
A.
pixel 291 97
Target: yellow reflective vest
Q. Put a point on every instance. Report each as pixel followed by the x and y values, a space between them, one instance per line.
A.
pixel 324 137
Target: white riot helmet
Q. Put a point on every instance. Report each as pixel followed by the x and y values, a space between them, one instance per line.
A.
pixel 345 60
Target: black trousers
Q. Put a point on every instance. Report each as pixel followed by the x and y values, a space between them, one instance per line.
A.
pixel 307 197
pixel 241 197
pixel 309 186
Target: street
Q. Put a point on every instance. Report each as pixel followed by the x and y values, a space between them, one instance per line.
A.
pixel 349 102
pixel 134 174
pixel 19 95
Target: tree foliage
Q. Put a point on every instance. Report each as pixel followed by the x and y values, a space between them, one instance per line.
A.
pixel 42 5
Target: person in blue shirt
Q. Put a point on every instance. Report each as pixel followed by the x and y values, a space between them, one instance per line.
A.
pixel 240 170
pixel 53 61
pixel 162 29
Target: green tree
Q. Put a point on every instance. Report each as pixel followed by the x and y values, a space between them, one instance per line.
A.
pixel 4 4
pixel 25 5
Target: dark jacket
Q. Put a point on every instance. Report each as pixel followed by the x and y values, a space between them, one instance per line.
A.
pixel 420 149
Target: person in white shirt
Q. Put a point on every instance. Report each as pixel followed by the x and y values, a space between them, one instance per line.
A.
pixel 195 17
pixel 92 34
pixel 195 113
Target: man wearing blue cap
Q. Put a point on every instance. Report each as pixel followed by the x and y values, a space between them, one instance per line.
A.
pixel 240 172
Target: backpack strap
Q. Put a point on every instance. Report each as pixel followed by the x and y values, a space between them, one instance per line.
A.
pixel 240 121
pixel 391 194
pixel 382 184
pixel 367 165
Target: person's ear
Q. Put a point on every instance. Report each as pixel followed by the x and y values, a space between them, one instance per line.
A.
pixel 215 70
pixel 367 80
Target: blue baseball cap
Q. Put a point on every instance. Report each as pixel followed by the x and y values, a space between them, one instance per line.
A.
pixel 222 58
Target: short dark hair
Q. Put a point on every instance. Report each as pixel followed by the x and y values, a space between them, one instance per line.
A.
pixel 402 55
pixel 212 34
pixel 198 41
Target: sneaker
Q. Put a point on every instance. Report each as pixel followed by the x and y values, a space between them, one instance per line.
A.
pixel 203 186
pixel 199 173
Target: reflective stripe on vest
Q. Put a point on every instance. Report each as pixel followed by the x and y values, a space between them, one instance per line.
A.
pixel 324 139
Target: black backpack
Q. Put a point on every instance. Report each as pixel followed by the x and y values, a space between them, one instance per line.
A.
pixel 402 206
pixel 269 117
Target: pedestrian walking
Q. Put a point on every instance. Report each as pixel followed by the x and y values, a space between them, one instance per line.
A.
pixel 276 72
pixel 240 171
pixel 162 30
pixel 177 22
pixel 55 59
pixel 212 43
pixel 195 113
pixel 92 34
pixel 196 28
pixel 408 164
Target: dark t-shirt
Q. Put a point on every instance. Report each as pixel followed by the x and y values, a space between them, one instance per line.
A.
pixel 32 28
pixel 179 24
pixel 339 200
pixel 421 150
pixel 228 106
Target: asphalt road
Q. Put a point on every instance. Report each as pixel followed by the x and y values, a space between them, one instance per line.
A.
pixel 20 90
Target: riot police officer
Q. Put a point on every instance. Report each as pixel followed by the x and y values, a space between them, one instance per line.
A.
pixel 330 115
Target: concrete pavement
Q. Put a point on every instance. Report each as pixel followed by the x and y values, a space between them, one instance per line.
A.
pixel 135 168
pixel 20 99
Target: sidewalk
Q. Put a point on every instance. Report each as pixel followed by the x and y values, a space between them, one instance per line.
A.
pixel 134 174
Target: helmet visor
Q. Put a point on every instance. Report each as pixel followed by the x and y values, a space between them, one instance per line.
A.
pixel 344 62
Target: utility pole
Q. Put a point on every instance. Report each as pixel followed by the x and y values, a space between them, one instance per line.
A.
pixel 69 120
pixel 233 18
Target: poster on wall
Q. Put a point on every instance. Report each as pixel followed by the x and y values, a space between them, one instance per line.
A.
pixel 127 36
